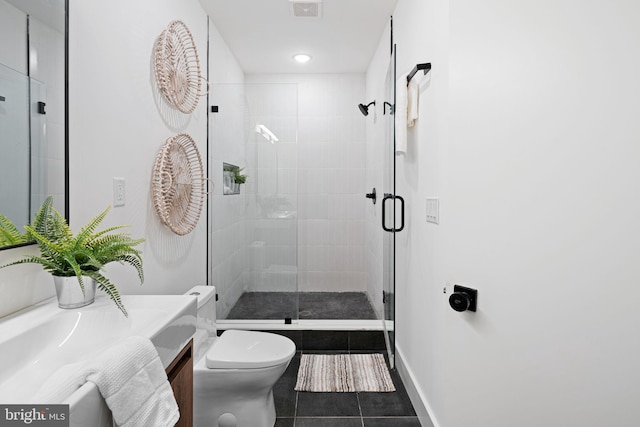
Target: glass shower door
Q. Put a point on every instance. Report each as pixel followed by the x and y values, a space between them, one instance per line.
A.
pixel 389 204
pixel 272 154
pixel 253 238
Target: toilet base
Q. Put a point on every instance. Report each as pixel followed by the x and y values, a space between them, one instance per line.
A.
pixel 248 413
pixel 247 396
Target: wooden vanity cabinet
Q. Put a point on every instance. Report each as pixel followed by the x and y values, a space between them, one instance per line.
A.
pixel 180 373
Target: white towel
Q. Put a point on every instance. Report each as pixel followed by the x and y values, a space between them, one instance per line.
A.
pixel 413 92
pixel 130 377
pixel 401 114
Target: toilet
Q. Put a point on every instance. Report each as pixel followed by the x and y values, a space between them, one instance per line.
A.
pixel 234 374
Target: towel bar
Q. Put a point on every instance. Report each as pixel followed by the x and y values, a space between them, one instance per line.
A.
pixel 426 67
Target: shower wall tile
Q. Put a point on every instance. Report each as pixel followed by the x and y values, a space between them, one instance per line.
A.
pixel 358 233
pixel 276 232
pixel 313 206
pixel 287 181
pixel 281 255
pixel 283 127
pixel 316 181
pixel 313 129
pixel 312 281
pixel 288 152
pixel 318 232
pixel 352 155
pixel 331 281
pixel 303 259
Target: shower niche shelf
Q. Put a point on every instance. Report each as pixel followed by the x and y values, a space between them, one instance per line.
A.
pixel 229 184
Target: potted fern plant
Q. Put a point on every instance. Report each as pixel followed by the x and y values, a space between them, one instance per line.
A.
pixel 76 262
pixel 239 178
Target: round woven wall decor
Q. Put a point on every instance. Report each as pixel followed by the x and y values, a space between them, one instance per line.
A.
pixel 177 67
pixel 178 184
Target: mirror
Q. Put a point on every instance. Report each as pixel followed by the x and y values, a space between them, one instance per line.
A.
pixel 33 139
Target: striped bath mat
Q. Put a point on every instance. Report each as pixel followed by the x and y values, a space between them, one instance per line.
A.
pixel 343 373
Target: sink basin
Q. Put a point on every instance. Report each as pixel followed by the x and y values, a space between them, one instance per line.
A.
pixel 37 341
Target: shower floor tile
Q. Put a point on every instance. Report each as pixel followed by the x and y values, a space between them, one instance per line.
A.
pixel 264 305
pixel 311 305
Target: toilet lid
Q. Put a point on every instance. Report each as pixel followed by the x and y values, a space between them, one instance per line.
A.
pixel 249 350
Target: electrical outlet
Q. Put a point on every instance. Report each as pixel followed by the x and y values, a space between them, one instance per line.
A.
pixel 119 193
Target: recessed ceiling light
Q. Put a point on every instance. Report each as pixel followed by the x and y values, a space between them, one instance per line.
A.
pixel 302 57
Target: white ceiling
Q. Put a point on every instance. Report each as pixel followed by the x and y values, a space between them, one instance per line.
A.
pixel 264 35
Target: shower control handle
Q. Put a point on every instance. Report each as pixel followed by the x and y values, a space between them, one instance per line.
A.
pixel 372 196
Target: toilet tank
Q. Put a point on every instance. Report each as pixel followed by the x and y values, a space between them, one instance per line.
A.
pixel 206 308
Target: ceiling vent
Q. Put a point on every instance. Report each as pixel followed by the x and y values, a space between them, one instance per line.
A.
pixel 306 8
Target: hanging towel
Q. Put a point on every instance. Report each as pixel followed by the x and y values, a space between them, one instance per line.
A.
pixel 130 377
pixel 401 114
pixel 413 92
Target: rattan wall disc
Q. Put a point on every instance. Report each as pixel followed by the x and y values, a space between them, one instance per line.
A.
pixel 177 67
pixel 178 184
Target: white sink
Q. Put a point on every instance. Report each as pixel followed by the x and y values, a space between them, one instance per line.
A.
pixel 37 341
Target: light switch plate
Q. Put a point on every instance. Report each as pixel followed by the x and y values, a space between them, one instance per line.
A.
pixel 119 193
pixel 433 210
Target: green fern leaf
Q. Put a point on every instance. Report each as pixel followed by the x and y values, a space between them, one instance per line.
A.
pixel 87 231
pixel 105 285
pixel 9 233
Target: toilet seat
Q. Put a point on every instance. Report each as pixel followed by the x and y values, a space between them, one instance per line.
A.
pixel 236 349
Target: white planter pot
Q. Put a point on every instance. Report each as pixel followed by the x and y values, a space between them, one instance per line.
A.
pixel 70 293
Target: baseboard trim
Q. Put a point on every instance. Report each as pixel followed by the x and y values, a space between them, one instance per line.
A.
pixel 419 401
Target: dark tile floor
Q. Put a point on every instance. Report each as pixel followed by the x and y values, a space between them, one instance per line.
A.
pixel 304 409
pixel 311 305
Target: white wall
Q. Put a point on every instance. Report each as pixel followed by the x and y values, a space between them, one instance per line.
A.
pixel 22 286
pixel 118 122
pixel 420 32
pixel 527 135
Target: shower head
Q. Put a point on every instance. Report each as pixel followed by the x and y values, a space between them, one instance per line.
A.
pixel 364 109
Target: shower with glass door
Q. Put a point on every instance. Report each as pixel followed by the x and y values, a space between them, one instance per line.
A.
pixel 291 244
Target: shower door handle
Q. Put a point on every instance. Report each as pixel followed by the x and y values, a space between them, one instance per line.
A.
pixel 388 196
